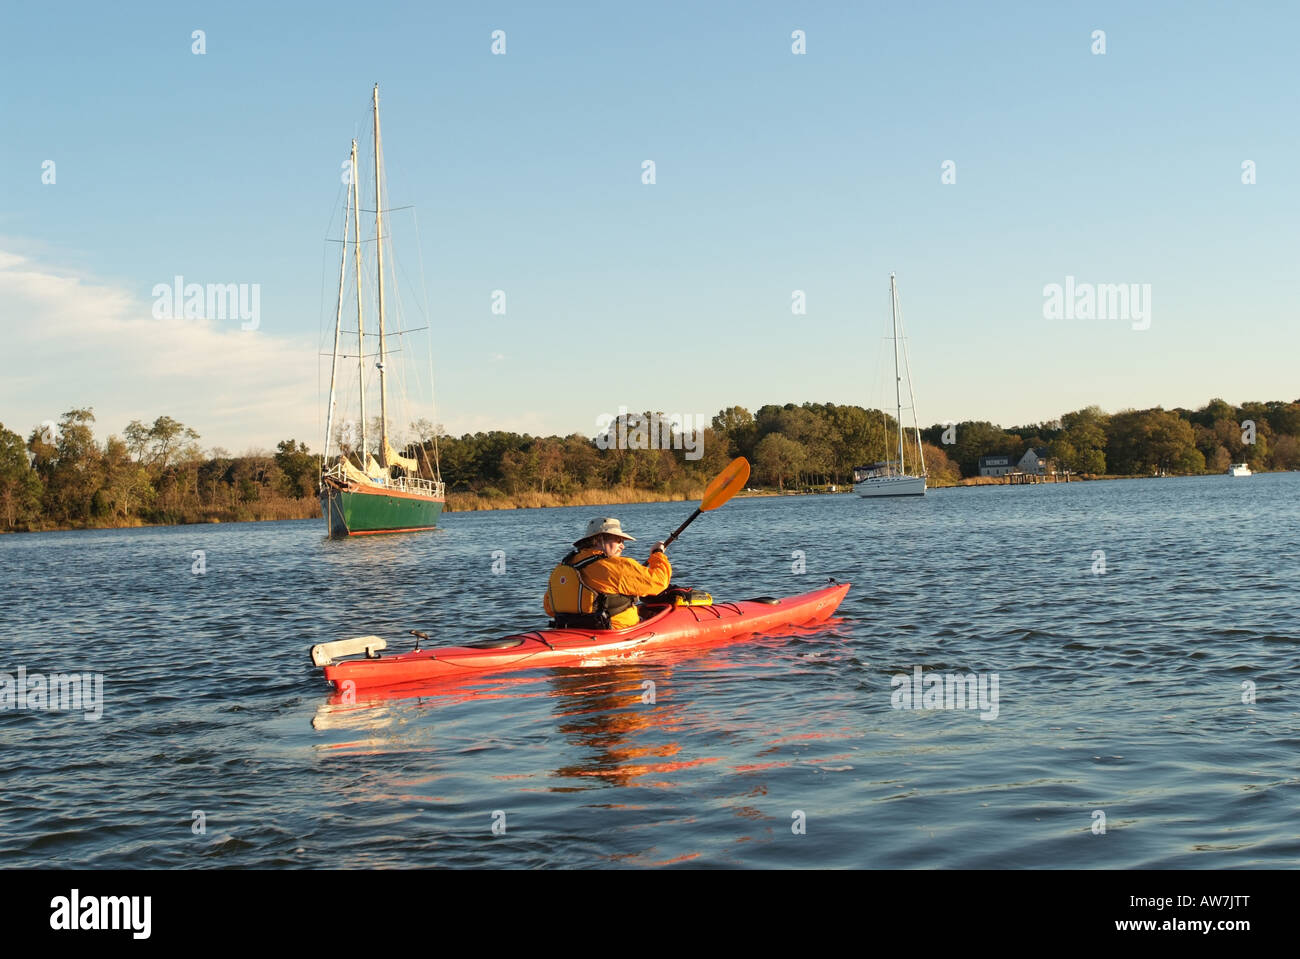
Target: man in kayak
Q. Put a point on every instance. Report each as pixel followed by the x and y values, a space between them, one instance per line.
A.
pixel 595 586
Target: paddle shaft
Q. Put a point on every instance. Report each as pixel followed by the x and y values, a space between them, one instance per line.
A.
pixel 722 488
pixel 678 531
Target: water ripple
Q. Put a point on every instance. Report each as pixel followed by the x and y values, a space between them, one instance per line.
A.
pixel 1157 688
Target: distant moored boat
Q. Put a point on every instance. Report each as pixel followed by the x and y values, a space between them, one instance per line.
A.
pixel 1238 469
pixel 891 477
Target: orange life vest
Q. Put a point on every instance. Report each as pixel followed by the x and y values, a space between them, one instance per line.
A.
pixel 574 603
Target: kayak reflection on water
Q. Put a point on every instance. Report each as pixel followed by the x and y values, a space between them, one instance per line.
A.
pixel 619 719
pixel 615 733
pixel 596 587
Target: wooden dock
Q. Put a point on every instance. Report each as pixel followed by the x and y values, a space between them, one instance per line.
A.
pixel 1018 478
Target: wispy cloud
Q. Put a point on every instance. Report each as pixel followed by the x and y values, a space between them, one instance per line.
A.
pixel 75 341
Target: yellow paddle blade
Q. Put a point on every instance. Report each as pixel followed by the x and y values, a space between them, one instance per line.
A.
pixel 725 484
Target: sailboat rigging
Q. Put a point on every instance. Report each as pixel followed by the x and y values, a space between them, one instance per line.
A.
pixel 388 494
pixel 891 477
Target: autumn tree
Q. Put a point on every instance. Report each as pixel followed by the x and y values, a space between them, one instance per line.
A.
pixel 582 461
pixel 713 451
pixel 939 469
pixel 860 438
pixel 298 468
pixel 1146 441
pixel 1080 445
pixel 778 459
pixel 735 425
pixel 75 471
pixel 127 490
pixel 20 486
pixel 550 464
pixel 161 442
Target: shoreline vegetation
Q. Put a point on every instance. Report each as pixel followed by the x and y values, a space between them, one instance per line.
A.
pixel 309 507
pixel 156 474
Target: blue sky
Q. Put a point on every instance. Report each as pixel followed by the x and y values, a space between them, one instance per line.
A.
pixel 775 172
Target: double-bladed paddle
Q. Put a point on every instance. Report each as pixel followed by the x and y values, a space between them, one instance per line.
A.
pixel 723 487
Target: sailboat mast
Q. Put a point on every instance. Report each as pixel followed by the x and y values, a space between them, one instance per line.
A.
pixel 361 326
pixel 898 394
pixel 338 328
pixel 379 259
pixel 911 392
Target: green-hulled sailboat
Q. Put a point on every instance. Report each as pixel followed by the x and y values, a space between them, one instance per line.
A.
pixel 360 495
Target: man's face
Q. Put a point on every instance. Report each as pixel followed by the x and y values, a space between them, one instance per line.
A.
pixel 613 546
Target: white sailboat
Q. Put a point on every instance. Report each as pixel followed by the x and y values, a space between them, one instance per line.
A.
pixel 1238 469
pixel 891 477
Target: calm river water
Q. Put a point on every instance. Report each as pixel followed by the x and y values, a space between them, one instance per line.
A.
pixel 1144 636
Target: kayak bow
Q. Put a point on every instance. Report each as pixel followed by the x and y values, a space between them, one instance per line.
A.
pixel 673 627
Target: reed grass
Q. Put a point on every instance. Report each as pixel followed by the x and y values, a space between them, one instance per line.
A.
pixel 607 496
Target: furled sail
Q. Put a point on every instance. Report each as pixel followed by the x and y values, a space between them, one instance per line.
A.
pixel 374 469
pixel 394 458
pixel 351 472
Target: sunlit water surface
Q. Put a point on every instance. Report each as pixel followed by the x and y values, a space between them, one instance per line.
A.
pixel 1124 693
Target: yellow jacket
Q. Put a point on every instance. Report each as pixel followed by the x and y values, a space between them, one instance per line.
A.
pixel 622 575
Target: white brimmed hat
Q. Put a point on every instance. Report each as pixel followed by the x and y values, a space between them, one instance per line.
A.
pixel 604 527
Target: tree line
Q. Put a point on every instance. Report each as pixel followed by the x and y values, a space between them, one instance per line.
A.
pixel 151 474
pixel 816 443
pixel 60 476
pixel 1143 442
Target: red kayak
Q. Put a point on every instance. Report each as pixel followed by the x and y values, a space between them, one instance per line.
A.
pixel 672 627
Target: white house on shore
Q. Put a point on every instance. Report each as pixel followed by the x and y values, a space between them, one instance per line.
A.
pixel 1034 461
